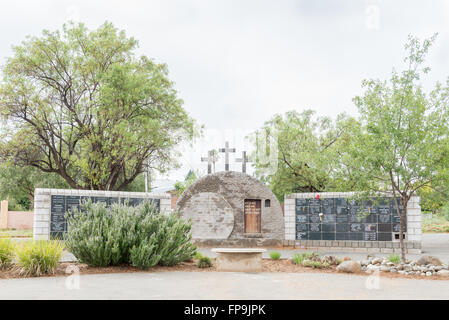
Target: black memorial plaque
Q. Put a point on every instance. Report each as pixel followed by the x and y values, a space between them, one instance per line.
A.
pixel 60 205
pixel 328 206
pixel 302 202
pixel 343 219
pixel 57 220
pixel 101 200
pixel 329 218
pixel 301 235
pixel 314 218
pixel 302 210
pixel 356 227
pixel 370 236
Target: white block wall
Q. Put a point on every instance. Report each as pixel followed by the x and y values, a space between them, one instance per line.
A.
pixel 414 231
pixel 42 204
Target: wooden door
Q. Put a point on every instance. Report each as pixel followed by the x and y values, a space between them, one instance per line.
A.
pixel 252 216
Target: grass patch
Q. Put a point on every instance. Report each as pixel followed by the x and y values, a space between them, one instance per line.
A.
pixel 394 258
pixel 35 258
pixel 12 233
pixel 275 255
pixel 6 252
pixel 298 258
pixel 198 255
pixel 204 262
pixel 436 224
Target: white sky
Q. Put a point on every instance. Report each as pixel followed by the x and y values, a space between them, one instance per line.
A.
pixel 237 63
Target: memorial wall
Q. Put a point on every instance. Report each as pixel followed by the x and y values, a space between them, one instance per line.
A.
pixel 337 220
pixel 50 206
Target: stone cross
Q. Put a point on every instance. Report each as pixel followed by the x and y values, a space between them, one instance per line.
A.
pixel 226 151
pixel 209 161
pixel 243 160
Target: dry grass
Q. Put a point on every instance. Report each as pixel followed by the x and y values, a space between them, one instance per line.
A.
pixel 437 224
pixel 12 233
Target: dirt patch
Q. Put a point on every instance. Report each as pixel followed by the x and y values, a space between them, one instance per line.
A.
pixel 282 265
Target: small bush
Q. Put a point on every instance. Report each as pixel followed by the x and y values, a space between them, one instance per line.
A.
pixel 140 236
pixel 445 211
pixel 275 255
pixel 204 262
pixel 36 258
pixel 315 264
pixel 198 255
pixel 6 252
pixel 298 258
pixel 394 258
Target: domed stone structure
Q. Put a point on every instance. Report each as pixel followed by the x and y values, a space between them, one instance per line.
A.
pixel 232 208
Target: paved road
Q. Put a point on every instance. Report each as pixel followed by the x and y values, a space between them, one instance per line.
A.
pixel 223 285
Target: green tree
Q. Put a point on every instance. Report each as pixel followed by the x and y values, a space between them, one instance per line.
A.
pixel 190 178
pixel 433 197
pixel 403 145
pixel 17 184
pixel 82 105
pixel 308 153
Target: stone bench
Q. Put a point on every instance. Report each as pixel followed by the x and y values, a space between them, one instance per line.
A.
pixel 239 259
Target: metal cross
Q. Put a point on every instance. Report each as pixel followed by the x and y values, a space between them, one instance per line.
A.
pixel 209 161
pixel 226 150
pixel 243 160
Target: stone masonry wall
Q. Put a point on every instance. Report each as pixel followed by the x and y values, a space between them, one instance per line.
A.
pixel 413 236
pixel 211 198
pixel 42 203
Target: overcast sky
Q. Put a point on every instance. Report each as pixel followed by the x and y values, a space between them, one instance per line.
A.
pixel 237 63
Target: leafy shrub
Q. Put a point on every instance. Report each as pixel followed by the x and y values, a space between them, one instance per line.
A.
pixel 198 255
pixel 298 258
pixel 313 260
pixel 275 255
pixel 331 260
pixel 204 262
pixel 445 211
pixel 140 236
pixel 6 252
pixel 315 264
pixel 40 257
pixel 394 258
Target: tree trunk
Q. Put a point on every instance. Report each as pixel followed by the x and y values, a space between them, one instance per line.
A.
pixel 402 214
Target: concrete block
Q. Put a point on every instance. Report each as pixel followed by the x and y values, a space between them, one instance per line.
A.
pixel 41 224
pixel 417 245
pixel 412 237
pixel 289 237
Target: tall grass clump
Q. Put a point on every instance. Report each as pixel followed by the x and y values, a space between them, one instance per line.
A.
pixel 6 252
pixel 394 258
pixel 298 258
pixel 35 258
pixel 204 262
pixel 275 255
pixel 139 236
